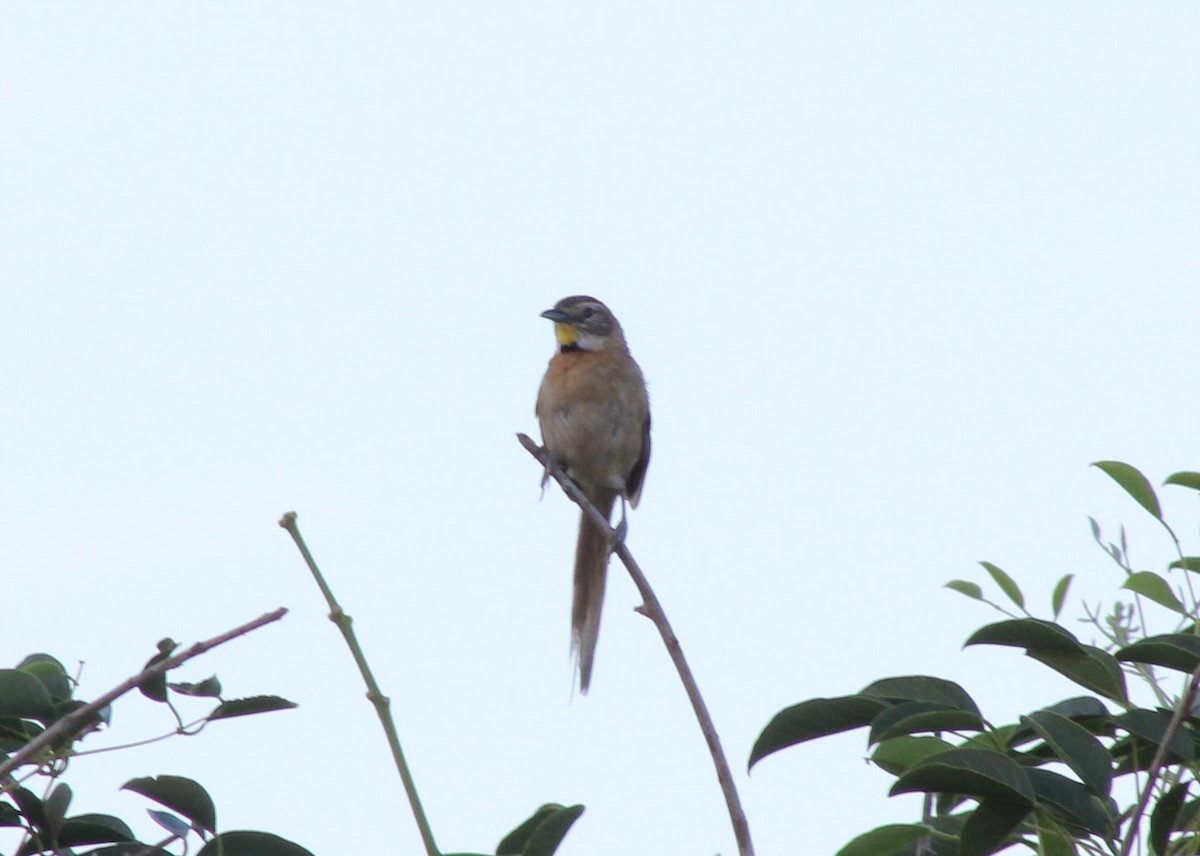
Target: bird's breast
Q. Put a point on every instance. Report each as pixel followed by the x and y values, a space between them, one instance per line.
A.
pixel 592 408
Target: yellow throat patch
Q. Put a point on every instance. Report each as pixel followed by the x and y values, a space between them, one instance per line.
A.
pixel 564 333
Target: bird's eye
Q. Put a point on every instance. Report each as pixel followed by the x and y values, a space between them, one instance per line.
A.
pixel 588 313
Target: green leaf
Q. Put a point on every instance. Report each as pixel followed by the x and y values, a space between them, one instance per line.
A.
pixel 1076 747
pixel 979 773
pixel 251 844
pixel 886 840
pixel 1032 634
pixel 31 807
pixel 182 795
pixel 1087 711
pixel 1184 479
pixel 1072 802
pixel 1094 669
pixel 9 816
pixel 990 826
pixel 911 717
pixel 248 706
pixel 1165 816
pixel 57 803
pixel 93 829
pixel 1134 483
pixel 897 754
pixel 1152 725
pixel 817 717
pixel 1179 651
pixel 541 834
pixel 551 831
pixel 209 688
pixel 130 848
pixel 970 589
pixel 1080 707
pixel 22 696
pixel 51 673
pixel 1053 840
pixel 997 737
pixel 1151 585
pixel 1006 583
pixel 1187 563
pixel 922 688
pixel 512 843
pixel 155 687
pixel 1060 594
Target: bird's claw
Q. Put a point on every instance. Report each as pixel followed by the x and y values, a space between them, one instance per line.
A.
pixel 550 467
pixel 621 530
pixel 619 533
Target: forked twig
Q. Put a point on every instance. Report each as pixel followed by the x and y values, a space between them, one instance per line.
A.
pixel 653 610
pixel 80 720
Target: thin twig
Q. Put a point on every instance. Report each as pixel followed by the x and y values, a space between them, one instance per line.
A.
pixel 381 702
pixel 85 717
pixel 202 721
pixel 1160 757
pixel 653 610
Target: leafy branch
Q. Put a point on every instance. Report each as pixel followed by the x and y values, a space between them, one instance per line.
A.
pixel 67 728
pixel 988 787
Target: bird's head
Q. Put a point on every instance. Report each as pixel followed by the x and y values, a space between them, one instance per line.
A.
pixel 583 323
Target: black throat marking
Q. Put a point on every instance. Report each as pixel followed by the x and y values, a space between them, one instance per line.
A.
pixel 569 349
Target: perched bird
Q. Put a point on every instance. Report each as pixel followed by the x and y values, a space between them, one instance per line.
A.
pixel 595 419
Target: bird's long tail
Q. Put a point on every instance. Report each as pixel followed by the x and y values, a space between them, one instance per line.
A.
pixel 591 571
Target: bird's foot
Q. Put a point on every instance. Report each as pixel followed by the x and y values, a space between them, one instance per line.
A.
pixel 621 530
pixel 551 467
pixel 619 533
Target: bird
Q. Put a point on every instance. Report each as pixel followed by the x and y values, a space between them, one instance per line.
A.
pixel 594 413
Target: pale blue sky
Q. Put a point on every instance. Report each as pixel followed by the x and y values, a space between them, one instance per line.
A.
pixel 896 274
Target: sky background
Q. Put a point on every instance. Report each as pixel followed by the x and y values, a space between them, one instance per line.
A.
pixel 896 274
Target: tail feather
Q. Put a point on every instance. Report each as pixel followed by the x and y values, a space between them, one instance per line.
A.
pixel 591 572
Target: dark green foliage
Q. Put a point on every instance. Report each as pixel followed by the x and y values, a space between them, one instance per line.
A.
pixel 209 687
pixel 36 695
pixel 1073 744
pixel 251 844
pixel 1177 651
pixel 815 718
pixel 541 834
pixel 1045 782
pixel 179 794
pixel 1135 484
pixel 887 840
pixel 39 692
pixel 23 696
pixel 1166 815
pixel 248 706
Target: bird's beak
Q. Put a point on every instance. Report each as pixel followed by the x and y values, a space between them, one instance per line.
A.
pixel 564 331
